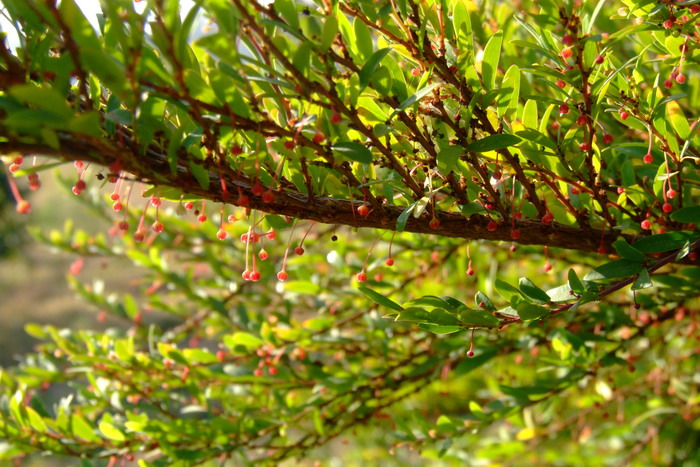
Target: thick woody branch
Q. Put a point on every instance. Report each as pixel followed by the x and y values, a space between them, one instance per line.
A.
pixel 154 168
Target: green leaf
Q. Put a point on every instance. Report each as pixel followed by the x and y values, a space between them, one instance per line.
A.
pixel 443 318
pixel 288 10
pixel 643 281
pixel 478 318
pixel 447 158
pixel 242 340
pixel 414 98
pixel 627 251
pixel 575 283
pixel 529 311
pixel 109 431
pixel 439 329
pixel 429 300
pixel 363 39
pixel 82 429
pixel 687 215
pixel 380 299
pixel 414 315
pixel 330 29
pixel 489 65
pixel 43 98
pixel 506 290
pixel 200 174
pixel 531 290
pixel 615 270
pixel 510 91
pixel 403 217
pixel 493 142
pixel 678 120
pixel 483 301
pixel 354 151
pixel 371 66
pixel 661 243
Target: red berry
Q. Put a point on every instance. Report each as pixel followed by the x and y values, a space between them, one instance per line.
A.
pixel 236 150
pixel 668 24
pixel 568 39
pixel 695 9
pixel 555 126
pixel 271 234
pixel 389 261
pixel 289 144
pixel 139 236
pixel 14 167
pixel 361 277
pixel 258 372
pixel 114 197
pixel 299 250
pixel 156 201
pixel 492 226
pixel 268 196
pixel 547 267
pixel 263 255
pixel 189 205
pixel 515 234
pixel 620 190
pixel 671 193
pixel 220 355
pixel 319 137
pixel 547 218
pixel 282 276
pixel 602 250
pixel 648 159
pixel 336 118
pixel 257 189
pixel 434 223
pixel 470 353
pixel 646 225
pixel 246 275
pixel 158 227
pixel 24 206
pixel 78 164
pixel 574 191
pixel 202 218
pixel 34 185
pixel 221 234
pixel 563 109
pixel 561 84
pixel 667 207
pixel 607 138
pixel 415 71
pixel 585 146
pixel 470 272
pixel 363 210
pixel 582 120
pixel 624 115
pixel 255 276
pixel 243 200
pixel 254 238
pixel 668 83
pixel 599 59
pixel 118 206
pixel 272 370
pixel 680 79
pixel 567 53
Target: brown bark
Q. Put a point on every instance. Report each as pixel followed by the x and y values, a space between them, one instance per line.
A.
pixel 153 168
